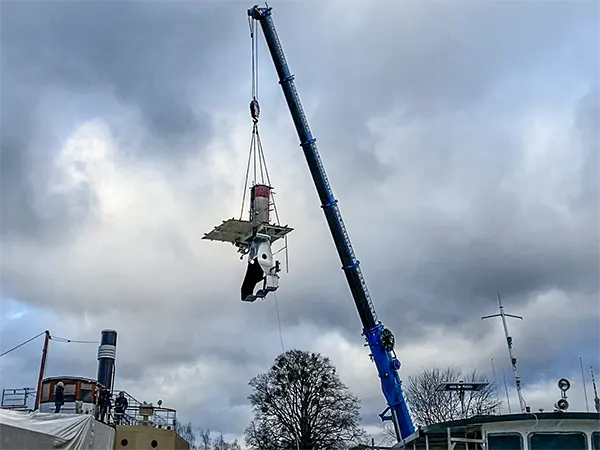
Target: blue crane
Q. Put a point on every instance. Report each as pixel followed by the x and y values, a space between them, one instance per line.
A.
pixel 380 339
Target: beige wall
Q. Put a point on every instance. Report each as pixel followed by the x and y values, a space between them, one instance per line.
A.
pixel 180 443
pixel 142 438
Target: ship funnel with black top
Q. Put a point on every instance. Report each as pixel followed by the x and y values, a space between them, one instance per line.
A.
pixel 107 352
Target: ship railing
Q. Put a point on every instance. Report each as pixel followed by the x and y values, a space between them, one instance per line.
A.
pixel 16 399
pixel 161 417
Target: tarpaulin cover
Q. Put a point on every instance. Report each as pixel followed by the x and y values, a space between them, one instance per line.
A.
pixel 35 430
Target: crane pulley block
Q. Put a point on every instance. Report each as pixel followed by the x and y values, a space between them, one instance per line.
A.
pixel 254 110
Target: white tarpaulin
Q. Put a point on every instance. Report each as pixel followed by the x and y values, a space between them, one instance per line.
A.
pixel 23 430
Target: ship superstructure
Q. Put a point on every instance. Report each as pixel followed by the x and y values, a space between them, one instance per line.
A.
pixel 79 424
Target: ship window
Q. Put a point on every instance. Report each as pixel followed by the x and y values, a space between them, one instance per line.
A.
pixel 596 440
pixel 69 392
pixel 45 393
pixel 505 441
pixel 124 442
pixel 85 393
pixel 154 443
pixel 558 441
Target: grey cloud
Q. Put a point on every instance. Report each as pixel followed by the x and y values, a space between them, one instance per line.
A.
pixel 451 82
pixel 587 123
pixel 146 55
pixel 402 68
pixel 160 59
pixel 20 188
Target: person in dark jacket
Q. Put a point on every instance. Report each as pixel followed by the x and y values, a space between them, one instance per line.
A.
pixel 59 396
pixel 103 403
pixel 120 407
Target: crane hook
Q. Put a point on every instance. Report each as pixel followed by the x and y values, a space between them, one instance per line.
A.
pixel 254 109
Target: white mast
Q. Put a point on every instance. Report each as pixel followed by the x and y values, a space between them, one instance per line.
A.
pixel 509 342
pixel 596 399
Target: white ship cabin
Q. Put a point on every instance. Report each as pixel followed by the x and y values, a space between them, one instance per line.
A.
pixel 80 395
pixel 531 431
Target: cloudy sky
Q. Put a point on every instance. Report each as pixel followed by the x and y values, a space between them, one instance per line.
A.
pixel 461 139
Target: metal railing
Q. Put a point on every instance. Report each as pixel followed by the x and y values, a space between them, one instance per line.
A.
pixel 159 417
pixel 16 399
pixel 133 415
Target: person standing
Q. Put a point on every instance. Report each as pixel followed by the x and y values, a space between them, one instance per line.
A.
pixel 98 401
pixel 103 403
pixel 120 407
pixel 59 396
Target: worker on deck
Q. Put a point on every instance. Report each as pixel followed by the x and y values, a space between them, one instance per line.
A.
pixel 103 403
pixel 120 407
pixel 59 396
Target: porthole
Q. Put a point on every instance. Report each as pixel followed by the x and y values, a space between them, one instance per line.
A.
pixel 124 442
pixel 154 443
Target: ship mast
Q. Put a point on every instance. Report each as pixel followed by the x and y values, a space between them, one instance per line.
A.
pixel 38 394
pixel 596 399
pixel 509 342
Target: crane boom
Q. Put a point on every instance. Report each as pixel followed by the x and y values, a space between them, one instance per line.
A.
pixel 379 338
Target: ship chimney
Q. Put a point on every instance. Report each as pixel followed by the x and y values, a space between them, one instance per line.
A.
pixel 107 352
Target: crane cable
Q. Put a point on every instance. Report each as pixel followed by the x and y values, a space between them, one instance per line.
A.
pixel 257 156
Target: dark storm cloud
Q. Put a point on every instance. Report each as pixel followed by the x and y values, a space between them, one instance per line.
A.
pixel 497 245
pixel 20 183
pixel 427 61
pixel 162 59
pixel 587 123
pixel 148 55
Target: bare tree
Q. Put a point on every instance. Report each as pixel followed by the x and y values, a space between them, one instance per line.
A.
pixel 205 439
pixel 259 435
pixel 186 432
pixel 428 405
pixel 301 403
pixel 221 444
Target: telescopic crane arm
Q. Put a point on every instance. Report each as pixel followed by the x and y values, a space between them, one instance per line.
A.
pixel 380 340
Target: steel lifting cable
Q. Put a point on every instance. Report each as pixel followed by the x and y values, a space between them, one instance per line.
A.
pixel 256 155
pixel 279 323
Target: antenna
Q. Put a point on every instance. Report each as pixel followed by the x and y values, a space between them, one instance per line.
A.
pixel 509 342
pixel 596 399
pixel 587 404
pixel 506 389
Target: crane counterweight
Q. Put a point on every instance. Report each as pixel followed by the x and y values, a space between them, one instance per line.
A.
pixel 379 339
